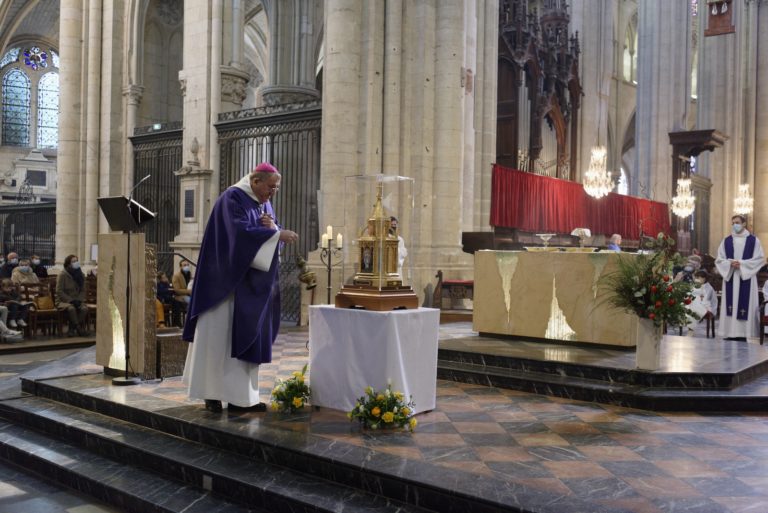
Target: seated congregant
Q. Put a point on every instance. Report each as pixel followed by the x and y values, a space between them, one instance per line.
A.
pixel 23 274
pixel 615 243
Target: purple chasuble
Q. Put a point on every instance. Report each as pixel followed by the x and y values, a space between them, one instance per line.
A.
pixel 744 286
pixel 233 236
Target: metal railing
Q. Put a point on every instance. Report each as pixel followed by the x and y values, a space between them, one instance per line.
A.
pixel 289 137
pixel 29 229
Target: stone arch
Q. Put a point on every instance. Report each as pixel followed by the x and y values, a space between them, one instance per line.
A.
pixel 160 62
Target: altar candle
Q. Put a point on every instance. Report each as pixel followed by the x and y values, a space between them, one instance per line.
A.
pixel 329 232
pixel 324 243
pixel 338 240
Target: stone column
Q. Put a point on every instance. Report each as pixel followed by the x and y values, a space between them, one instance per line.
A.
pixel 200 81
pixel 481 87
pixel 721 105
pixel 68 204
pixel 92 130
pixel 663 92
pixel 594 21
pixel 758 13
pixel 291 51
pixel 400 98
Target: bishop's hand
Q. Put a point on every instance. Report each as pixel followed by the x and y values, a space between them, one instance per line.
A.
pixel 288 236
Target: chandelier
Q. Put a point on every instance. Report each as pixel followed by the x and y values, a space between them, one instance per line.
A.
pixel 684 203
pixel 597 180
pixel 744 201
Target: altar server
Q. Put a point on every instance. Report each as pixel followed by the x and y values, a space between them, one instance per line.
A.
pixel 234 314
pixel 739 258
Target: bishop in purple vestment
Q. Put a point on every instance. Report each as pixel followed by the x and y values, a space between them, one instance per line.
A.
pixel 234 314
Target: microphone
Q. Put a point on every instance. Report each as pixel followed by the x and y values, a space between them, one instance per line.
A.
pixel 130 196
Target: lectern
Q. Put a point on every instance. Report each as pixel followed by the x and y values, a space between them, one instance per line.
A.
pixel 125 215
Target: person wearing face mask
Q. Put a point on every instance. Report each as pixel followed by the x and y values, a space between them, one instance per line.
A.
pixel 23 273
pixel 10 264
pixel 691 266
pixel 182 292
pixel 38 268
pixel 70 296
pixel 739 258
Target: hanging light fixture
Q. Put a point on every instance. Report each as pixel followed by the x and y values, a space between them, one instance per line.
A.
pixel 744 201
pixel 684 203
pixel 597 180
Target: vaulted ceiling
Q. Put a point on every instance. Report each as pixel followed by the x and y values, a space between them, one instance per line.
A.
pixel 29 20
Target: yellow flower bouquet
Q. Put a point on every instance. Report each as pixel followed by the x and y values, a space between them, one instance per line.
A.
pixel 385 409
pixel 291 394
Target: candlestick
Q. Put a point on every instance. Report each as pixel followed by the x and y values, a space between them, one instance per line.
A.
pixel 329 232
pixel 339 240
pixel 324 243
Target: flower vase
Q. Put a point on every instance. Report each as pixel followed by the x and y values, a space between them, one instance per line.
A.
pixel 648 345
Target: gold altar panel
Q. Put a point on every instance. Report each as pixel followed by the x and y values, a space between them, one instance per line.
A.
pixel 548 295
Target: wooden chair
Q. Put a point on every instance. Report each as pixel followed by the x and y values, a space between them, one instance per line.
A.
pixel 453 289
pixel 43 313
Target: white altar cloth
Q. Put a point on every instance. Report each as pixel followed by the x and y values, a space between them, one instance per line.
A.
pixel 352 349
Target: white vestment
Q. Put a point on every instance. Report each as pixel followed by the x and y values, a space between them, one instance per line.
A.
pixel 731 326
pixel 210 372
pixel 704 300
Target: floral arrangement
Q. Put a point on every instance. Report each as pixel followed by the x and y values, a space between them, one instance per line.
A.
pixel 383 410
pixel 643 285
pixel 291 394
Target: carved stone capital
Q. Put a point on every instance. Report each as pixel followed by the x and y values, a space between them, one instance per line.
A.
pixel 233 85
pixel 276 95
pixel 133 93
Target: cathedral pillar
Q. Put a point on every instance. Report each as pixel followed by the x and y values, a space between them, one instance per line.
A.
pixel 68 204
pixel 234 79
pixel 663 92
pixel 759 15
pixel 724 84
pixel 407 90
pixel 201 85
pixel 292 52
pixel 92 131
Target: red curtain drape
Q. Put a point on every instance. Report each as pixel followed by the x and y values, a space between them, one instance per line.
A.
pixel 539 203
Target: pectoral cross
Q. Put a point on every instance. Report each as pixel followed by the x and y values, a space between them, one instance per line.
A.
pixel 730 309
pixel 742 311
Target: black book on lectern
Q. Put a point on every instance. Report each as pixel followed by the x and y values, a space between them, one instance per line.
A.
pixel 124 215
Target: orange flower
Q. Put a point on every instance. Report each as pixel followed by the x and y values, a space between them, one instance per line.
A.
pixel 376 411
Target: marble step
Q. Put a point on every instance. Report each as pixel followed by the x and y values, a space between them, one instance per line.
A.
pixel 613 375
pixel 585 389
pixel 241 479
pixel 407 481
pixel 125 487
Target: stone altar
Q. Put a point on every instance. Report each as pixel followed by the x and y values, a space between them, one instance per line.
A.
pixel 549 295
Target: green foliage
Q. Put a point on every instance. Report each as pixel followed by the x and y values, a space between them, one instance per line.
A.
pixel 291 394
pixel 383 410
pixel 643 285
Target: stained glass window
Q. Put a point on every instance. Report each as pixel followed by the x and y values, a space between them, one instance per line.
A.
pixel 16 98
pixel 10 56
pixel 55 59
pixel 35 58
pixel 48 111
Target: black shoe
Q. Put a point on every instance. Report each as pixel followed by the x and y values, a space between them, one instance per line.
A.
pixel 213 405
pixel 258 407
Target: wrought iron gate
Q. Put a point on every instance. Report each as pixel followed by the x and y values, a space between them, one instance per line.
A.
pixel 157 152
pixel 289 137
pixel 29 229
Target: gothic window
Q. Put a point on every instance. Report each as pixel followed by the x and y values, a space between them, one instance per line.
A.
pixel 629 70
pixel 55 59
pixel 16 93
pixel 48 111
pixel 10 56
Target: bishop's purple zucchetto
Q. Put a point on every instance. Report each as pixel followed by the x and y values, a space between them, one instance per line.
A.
pixel 265 167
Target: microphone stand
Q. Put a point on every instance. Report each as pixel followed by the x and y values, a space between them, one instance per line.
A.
pixel 128 379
